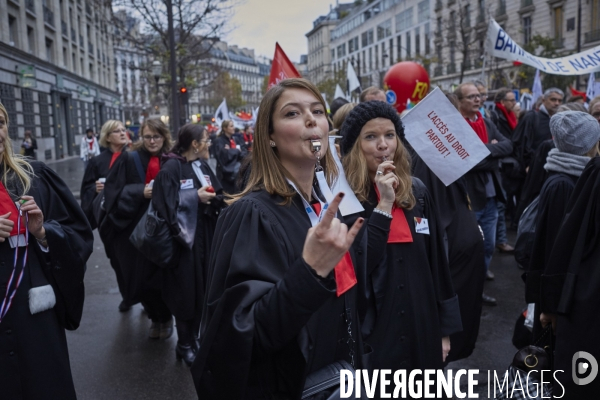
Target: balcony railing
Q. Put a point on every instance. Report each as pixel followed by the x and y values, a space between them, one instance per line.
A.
pixel 48 16
pixel 451 68
pixel 30 5
pixel 438 71
pixel 526 3
pixel 592 36
pixel 65 29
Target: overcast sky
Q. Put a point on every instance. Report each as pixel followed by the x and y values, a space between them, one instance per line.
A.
pixel 258 24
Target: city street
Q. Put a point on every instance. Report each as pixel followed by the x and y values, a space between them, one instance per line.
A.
pixel 112 357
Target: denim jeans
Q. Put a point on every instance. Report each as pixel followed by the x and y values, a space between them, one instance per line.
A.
pixel 501 228
pixel 487 218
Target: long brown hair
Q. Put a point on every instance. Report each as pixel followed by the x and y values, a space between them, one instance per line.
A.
pixel 15 162
pixel 357 173
pixel 267 170
pixel 159 127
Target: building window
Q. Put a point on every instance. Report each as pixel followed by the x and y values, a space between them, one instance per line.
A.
pixel 370 58
pixel 399 46
pixel 376 56
pixel 392 51
pixel 467 15
pixel 367 38
pixel 427 39
pixel 595 15
pixel 12 30
pixel 404 20
pixel 31 39
pixel 408 45
pixel 49 45
pixel 28 112
pixel 526 30
pixel 418 41
pixel 452 22
pixel 384 30
pixel 44 114
pixel 558 25
pixel 423 11
pixel 452 52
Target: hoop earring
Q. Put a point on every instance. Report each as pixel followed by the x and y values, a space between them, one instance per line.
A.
pixel 271 143
pixel 195 151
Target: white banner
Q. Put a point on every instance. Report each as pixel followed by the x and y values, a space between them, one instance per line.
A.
pixel 442 138
pixel 350 205
pixel 499 44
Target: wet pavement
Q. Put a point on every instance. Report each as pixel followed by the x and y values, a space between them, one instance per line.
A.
pixel 113 358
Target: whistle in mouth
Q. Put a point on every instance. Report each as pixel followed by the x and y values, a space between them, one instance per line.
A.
pixel 316 145
pixel 385 158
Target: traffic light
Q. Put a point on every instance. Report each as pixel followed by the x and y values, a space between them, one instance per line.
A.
pixel 183 90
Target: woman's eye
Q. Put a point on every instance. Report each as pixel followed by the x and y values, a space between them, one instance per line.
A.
pixel 291 113
pixel 390 135
pixel 369 137
pixel 318 111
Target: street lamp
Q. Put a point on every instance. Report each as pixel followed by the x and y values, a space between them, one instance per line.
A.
pixel 156 72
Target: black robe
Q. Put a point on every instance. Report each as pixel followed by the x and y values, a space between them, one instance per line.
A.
pixel 529 133
pixel 268 319
pixel 578 329
pixel 34 359
pixel 228 160
pixel 98 167
pixel 184 284
pixel 465 251
pixel 125 205
pixel 412 303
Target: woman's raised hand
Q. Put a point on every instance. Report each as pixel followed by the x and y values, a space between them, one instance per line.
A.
pixel 35 215
pixel 6 226
pixel 328 241
pixel 386 182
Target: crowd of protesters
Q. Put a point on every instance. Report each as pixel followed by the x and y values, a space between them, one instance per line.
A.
pixel 264 282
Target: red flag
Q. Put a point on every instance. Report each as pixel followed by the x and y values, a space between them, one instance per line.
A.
pixel 517 63
pixel 282 68
pixel 578 93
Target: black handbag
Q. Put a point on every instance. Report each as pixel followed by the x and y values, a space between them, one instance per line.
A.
pixel 153 237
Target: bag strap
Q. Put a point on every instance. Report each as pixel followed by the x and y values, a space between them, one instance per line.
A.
pixel 138 165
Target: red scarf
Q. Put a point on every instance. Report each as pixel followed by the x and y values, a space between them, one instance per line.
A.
pixel 510 115
pixel 345 276
pixel 247 138
pixel 232 143
pixel 114 158
pixel 399 229
pixel 91 143
pixel 8 206
pixel 153 168
pixel 479 127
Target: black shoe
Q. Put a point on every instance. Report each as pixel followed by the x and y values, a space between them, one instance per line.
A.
pixel 488 300
pixel 154 330
pixel 185 353
pixel 123 307
pixel 166 330
pixel 489 275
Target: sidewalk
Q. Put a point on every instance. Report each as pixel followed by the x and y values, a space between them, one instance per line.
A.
pixel 71 171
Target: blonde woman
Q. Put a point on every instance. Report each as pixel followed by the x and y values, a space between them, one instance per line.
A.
pixel 413 307
pixel 280 277
pixel 42 264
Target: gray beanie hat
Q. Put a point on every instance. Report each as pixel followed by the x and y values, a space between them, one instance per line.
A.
pixel 574 132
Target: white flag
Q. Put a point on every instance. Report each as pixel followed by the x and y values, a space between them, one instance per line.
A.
pixel 591 88
pixel 536 91
pixel 339 93
pixel 353 82
pixel 222 113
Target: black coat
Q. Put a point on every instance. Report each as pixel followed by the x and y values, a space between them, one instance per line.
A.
pixel 465 251
pixel 499 119
pixel 578 329
pixel 125 205
pixel 529 133
pixel 98 167
pixel 268 319
pixel 412 303
pixel 228 160
pixel 535 177
pixel 477 177
pixel 34 360
pixel 184 283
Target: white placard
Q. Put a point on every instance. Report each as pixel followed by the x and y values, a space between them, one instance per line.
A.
pixel 350 204
pixel 442 138
pixel 500 45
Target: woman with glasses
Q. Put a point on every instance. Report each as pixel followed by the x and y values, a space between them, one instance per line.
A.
pixel 128 191
pixel 113 137
pixel 229 151
pixel 186 170
pixel 45 241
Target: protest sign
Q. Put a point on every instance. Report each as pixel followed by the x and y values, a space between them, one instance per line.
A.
pixel 442 138
pixel 499 44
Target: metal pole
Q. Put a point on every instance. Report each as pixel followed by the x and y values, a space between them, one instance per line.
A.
pixel 174 118
pixel 578 37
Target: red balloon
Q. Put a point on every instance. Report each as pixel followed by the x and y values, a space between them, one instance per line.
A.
pixel 405 81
